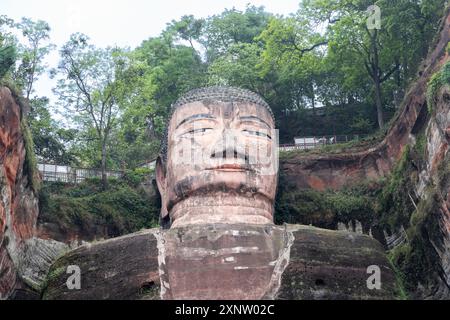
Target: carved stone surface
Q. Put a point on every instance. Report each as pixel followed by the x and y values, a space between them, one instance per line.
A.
pixel 119 268
pixel 219 162
pixel 226 262
pixel 222 243
pixel 327 264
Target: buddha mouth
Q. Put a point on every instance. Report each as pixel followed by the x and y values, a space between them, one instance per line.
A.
pixel 232 167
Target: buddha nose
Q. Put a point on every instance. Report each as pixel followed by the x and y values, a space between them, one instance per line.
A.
pixel 228 146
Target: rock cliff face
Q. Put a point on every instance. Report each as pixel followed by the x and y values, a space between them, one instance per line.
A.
pixel 342 169
pixel 18 203
pixel 433 188
pixel 226 262
pixel 423 250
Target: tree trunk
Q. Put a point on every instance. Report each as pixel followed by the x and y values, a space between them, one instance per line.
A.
pixel 378 102
pixel 376 77
pixel 313 100
pixel 104 178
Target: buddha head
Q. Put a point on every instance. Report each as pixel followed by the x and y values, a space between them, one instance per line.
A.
pixel 219 160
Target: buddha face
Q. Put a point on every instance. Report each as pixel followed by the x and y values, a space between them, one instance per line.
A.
pixel 221 164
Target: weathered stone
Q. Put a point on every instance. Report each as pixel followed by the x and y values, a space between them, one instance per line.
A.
pixel 335 171
pixel 18 202
pixel 226 262
pixel 121 268
pixel 220 162
pixel 223 261
pixel 327 264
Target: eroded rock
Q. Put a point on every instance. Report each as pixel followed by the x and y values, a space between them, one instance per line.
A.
pixel 220 261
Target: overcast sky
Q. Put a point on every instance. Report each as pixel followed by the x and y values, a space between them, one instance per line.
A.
pixel 121 23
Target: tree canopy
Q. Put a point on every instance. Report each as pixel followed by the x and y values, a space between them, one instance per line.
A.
pixel 325 70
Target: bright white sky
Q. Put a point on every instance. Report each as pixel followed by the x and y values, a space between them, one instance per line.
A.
pixel 122 23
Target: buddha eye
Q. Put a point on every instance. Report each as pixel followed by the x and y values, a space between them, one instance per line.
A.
pixel 257 133
pixel 200 131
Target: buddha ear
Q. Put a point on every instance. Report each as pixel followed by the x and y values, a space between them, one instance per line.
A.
pixel 160 172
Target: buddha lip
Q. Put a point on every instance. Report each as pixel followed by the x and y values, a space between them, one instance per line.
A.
pixel 230 167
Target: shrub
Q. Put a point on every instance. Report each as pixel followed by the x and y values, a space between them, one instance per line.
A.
pixel 88 209
pixel 137 176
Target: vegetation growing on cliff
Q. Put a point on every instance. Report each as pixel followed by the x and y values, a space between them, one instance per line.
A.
pixel 30 164
pixel 126 206
pixel 418 259
pixel 437 81
pixel 326 209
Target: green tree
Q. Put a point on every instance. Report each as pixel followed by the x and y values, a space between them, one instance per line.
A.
pixel 135 140
pixel 188 28
pixel 88 91
pixel 7 47
pixel 387 54
pixel 171 70
pixel 32 54
pixel 232 27
pixel 49 139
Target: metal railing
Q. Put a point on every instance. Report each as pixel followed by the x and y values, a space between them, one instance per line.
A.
pixel 304 143
pixel 62 173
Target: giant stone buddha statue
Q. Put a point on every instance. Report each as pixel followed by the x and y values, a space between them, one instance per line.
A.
pixel 217 177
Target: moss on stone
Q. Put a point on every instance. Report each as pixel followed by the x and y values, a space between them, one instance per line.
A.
pixel 437 81
pixel 326 209
pixel 30 163
pixel 397 198
pixel 418 260
pixel 87 208
pixel 54 274
pixel 402 293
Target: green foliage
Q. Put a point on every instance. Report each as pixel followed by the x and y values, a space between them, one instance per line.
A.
pixel 237 67
pixel 418 260
pixel 31 55
pixel 325 208
pixel 7 59
pixel 396 199
pixel 137 176
pixel 30 163
pixel 122 209
pixel 437 81
pixel 393 256
pixel 232 27
pixel 89 93
pixel 49 139
pixel 8 53
pixel 188 28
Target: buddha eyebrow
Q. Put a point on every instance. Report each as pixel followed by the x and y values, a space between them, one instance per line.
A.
pixel 253 118
pixel 196 116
